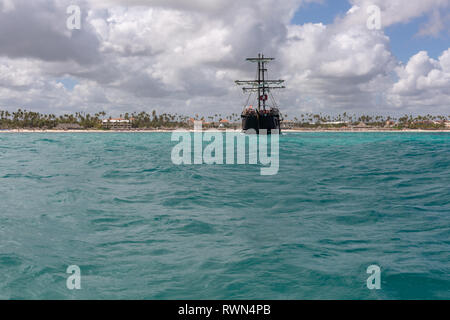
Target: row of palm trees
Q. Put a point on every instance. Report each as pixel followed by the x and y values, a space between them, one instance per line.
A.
pixel 368 119
pixel 29 119
pixel 346 119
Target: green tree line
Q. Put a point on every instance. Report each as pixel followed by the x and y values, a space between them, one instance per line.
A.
pixel 21 119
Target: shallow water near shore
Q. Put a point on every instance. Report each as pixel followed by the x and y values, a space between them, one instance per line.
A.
pixel 141 227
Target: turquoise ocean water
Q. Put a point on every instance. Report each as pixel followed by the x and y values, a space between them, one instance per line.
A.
pixel 140 227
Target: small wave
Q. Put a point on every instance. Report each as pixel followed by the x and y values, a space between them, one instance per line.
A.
pixel 197 227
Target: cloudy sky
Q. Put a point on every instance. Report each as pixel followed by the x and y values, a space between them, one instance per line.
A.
pixel 183 56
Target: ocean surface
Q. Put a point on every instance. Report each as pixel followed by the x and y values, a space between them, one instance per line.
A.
pixel 140 227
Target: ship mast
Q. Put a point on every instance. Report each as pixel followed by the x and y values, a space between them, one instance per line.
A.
pixel 261 85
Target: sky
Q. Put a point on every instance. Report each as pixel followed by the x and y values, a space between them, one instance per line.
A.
pixel 180 56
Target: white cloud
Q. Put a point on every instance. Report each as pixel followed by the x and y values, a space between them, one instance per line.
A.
pixel 18 74
pixel 7 5
pixel 398 11
pixel 141 55
pixel 339 67
pixel 37 29
pixel 423 82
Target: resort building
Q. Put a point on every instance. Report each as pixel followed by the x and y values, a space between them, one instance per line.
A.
pixel 444 123
pixel 332 123
pixel 117 124
pixel 389 124
pixel 286 124
pixel 204 123
pixel 224 123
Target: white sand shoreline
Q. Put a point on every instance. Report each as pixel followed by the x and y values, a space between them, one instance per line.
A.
pixel 219 130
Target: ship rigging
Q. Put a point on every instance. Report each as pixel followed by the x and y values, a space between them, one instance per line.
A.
pixel 265 117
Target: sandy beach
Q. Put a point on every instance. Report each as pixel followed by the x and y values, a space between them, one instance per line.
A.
pixel 221 130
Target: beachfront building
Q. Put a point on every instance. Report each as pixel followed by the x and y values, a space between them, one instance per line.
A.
pixel 334 123
pixel 443 123
pixel 117 124
pixel 389 124
pixel 287 124
pixel 205 124
pixel 224 123
pixel 68 126
pixel 362 125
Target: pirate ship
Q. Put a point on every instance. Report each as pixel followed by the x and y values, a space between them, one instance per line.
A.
pixel 266 115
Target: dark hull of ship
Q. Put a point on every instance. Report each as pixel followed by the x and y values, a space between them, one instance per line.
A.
pixel 252 122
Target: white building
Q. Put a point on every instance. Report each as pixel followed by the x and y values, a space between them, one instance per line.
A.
pixel 117 124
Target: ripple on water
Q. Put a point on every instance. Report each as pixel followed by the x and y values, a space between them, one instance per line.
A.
pixel 141 227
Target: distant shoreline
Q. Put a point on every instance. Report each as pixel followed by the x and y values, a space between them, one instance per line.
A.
pixel 221 130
